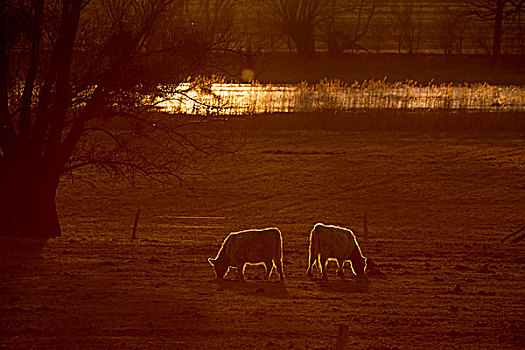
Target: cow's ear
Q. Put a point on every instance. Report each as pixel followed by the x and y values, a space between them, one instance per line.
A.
pixel 211 261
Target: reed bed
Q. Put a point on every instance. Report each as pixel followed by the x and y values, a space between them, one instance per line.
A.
pixel 213 96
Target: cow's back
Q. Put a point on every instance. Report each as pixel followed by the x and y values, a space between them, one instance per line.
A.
pixel 333 241
pixel 254 245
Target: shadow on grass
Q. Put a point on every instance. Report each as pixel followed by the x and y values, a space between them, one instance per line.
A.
pixel 346 285
pixel 269 289
pixel 21 248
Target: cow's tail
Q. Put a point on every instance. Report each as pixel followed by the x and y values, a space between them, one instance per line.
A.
pixel 314 251
pixel 279 254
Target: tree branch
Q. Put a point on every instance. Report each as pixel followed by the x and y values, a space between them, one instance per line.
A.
pixel 26 102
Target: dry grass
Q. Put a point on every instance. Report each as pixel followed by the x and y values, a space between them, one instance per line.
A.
pixel 437 121
pixel 437 204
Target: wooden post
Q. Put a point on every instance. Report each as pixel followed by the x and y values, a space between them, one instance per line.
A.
pixel 365 226
pixel 512 234
pixel 342 334
pixel 135 224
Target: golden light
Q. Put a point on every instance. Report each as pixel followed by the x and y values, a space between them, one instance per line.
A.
pixel 247 75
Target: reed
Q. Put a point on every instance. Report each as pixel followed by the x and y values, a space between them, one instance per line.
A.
pixel 215 96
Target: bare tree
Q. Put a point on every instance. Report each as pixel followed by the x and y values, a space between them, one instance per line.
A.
pixel 77 89
pixel 409 24
pixel 341 22
pixel 450 29
pixel 497 12
pixel 297 19
pixel 215 18
pixel 348 23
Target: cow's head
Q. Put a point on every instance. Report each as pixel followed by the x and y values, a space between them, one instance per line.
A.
pixel 358 262
pixel 220 267
pixel 359 266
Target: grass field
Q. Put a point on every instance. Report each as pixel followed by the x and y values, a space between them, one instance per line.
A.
pixel 437 203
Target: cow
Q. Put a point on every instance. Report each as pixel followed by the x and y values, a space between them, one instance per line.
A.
pixel 250 247
pixel 335 243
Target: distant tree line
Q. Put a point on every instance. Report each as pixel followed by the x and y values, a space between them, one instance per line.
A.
pixel 491 27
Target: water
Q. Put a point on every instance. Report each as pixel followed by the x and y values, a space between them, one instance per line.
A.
pixel 241 99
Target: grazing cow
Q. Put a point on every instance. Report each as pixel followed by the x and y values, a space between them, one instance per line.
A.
pixel 337 243
pixel 252 247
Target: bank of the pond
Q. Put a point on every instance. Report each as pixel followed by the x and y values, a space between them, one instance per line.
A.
pixel 437 121
pixel 424 68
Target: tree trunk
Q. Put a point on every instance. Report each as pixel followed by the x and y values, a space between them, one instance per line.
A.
pixel 303 38
pixel 28 187
pixel 335 43
pixel 498 24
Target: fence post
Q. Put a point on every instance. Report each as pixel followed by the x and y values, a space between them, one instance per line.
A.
pixel 342 334
pixel 135 224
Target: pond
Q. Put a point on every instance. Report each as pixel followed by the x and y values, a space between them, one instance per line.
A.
pixel 241 99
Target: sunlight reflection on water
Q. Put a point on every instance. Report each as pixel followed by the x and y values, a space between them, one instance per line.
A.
pixel 241 99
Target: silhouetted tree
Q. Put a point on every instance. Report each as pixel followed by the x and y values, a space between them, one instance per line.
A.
pixel 78 87
pixel 301 20
pixel 348 23
pixel 409 24
pixel 497 12
pixel 297 19
pixel 450 29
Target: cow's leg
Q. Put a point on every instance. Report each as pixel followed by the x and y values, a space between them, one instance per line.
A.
pixel 340 264
pixel 309 269
pixel 311 263
pixel 268 266
pixel 279 266
pixel 240 271
pixel 323 261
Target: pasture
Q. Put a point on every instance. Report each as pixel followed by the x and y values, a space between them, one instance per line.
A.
pixel 438 204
